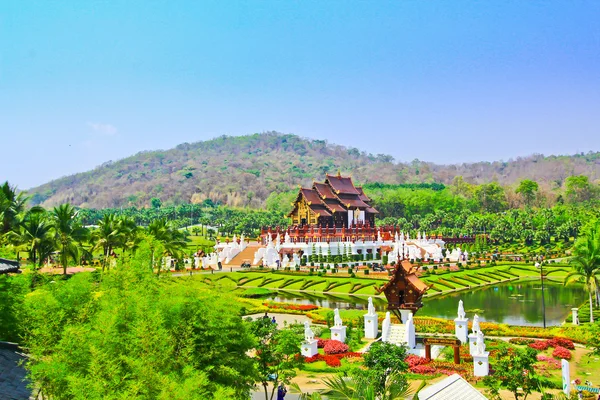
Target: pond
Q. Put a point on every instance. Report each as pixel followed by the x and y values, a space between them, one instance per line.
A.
pixel 513 303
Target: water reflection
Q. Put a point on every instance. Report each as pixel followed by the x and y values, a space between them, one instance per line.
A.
pixel 512 303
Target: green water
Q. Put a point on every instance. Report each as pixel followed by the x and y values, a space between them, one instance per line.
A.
pixel 514 303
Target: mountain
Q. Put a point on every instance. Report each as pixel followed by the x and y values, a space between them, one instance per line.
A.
pixel 244 170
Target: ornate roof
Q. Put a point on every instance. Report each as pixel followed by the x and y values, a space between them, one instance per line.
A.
pixel 405 271
pixel 324 190
pixel 362 194
pixel 352 201
pixel 336 194
pixel 341 184
pixel 311 196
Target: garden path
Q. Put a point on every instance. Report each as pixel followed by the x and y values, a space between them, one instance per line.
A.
pixel 282 319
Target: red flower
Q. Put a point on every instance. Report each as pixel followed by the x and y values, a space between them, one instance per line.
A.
pixel 335 347
pixel 539 345
pixel 561 352
pixel 423 369
pixel 413 360
pixel 332 361
pixel 562 342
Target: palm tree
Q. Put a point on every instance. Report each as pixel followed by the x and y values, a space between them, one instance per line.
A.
pixel 12 206
pixel 34 232
pixel 341 388
pixel 108 236
pixel 586 264
pixel 68 232
pixel 172 240
pixel 131 233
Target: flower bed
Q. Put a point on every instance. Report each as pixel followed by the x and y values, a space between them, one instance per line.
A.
pixel 423 366
pixel 332 360
pixel 554 342
pixel 335 347
pixel 289 306
pixel 561 352
pixel 562 342
pixel 521 341
pixel 539 345
pixel 552 363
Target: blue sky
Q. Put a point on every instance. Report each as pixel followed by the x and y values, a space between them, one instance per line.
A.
pixel 84 82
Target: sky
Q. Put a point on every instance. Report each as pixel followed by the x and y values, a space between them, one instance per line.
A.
pixel 85 82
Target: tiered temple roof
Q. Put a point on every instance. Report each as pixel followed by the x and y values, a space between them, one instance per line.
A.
pixel 324 199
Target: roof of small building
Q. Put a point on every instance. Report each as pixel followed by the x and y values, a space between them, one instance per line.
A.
pixel 7 266
pixel 452 388
pixel 409 275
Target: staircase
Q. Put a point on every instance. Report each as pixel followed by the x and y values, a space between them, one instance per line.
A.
pixel 396 334
pixel 246 254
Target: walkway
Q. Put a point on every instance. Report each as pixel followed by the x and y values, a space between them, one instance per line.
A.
pixel 282 319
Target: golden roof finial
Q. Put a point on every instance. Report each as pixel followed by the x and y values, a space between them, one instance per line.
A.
pixel 339 172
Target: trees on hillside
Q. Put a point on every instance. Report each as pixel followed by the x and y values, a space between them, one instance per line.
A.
pixel 528 189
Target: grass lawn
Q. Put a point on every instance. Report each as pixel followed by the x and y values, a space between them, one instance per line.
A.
pixel 199 242
pixel 365 285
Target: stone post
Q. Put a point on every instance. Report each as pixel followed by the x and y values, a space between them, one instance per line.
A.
pixel 385 327
pixel 410 332
pixel 481 364
pixel 472 340
pixel 338 333
pixel 461 326
pixel 309 348
pixel 338 330
pixel 404 314
pixel 473 335
pixel 371 321
pixel 575 312
pixel 371 326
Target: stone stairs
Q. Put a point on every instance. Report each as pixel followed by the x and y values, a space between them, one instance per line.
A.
pixel 246 254
pixel 397 334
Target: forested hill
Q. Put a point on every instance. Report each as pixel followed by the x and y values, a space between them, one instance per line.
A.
pixel 244 170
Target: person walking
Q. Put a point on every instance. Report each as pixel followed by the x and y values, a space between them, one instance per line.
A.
pixel 281 392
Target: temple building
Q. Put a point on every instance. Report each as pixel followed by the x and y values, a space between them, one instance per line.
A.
pixel 333 203
pixel 332 223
